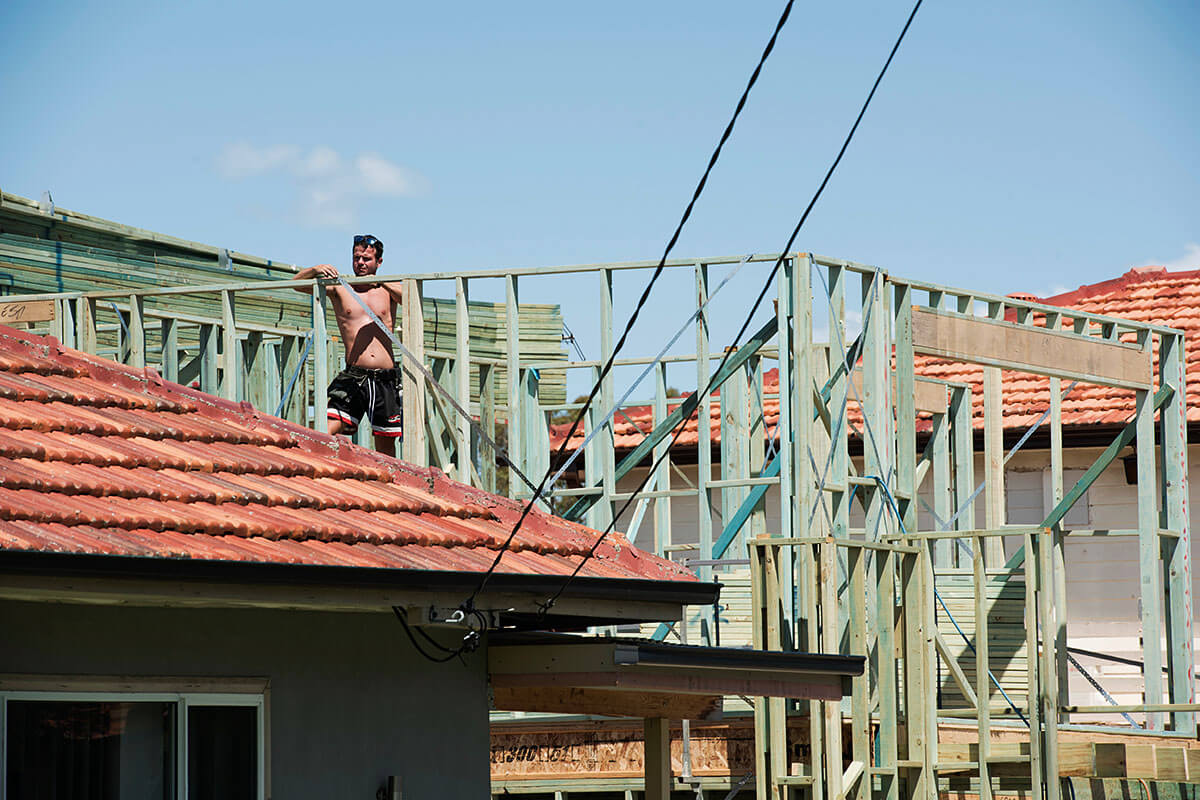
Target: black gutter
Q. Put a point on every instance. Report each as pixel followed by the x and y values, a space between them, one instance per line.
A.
pixel 660 654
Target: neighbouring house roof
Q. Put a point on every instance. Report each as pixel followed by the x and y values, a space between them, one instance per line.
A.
pixel 1145 294
pixel 99 459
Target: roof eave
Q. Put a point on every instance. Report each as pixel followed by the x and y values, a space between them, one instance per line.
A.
pixel 72 577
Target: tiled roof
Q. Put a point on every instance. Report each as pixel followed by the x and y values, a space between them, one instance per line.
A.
pixel 98 458
pixel 1145 294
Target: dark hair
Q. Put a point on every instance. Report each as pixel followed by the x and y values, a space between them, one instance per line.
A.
pixel 367 240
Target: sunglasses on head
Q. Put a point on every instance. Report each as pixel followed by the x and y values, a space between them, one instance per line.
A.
pixel 367 240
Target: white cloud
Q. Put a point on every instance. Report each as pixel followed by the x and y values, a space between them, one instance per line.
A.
pixel 330 189
pixel 1189 260
pixel 241 160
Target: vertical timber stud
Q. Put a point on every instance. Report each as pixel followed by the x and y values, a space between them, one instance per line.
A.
pixel 1058 567
pixel 993 454
pixel 137 331
pixel 860 697
pixel 462 378
pixel 70 321
pixel 877 408
pixel 942 550
pixel 964 463
pixel 658 758
pixel 703 428
pixel 607 397
pixel 230 368
pixel 487 421
pixel 662 505
pixel 803 491
pixel 1149 554
pixel 983 687
pixel 87 325
pixel 512 333
pixel 290 350
pixel 831 710
pixel 170 349
pixel 598 514
pixel 906 412
pixel 758 640
pixel 1036 737
pixel 320 369
pixel 915 692
pixel 412 335
pixel 208 358
pixel 1048 678
pixel 1174 491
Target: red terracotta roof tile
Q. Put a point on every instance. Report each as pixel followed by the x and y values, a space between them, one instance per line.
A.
pixel 98 458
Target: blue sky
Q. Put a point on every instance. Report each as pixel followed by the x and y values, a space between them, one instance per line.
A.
pixel 1029 146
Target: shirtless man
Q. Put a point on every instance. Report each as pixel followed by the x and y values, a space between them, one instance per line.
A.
pixel 370 384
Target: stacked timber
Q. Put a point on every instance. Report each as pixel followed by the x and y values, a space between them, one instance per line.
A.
pixel 1005 603
pixel 54 251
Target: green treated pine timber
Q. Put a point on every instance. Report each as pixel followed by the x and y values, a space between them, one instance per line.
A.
pixel 684 409
pixel 860 689
pixel 1036 734
pixel 734 416
pixel 606 398
pixel 209 358
pixel 1122 440
pixel 1058 569
pixel 704 511
pixel 415 444
pixel 1149 556
pixel 320 357
pixel 513 360
pixel 781 464
pixel 662 505
pixel 487 421
pixel 983 688
pixel 593 471
pixel 1176 556
pixel 230 370
pixel 877 459
pixel 1047 667
pixel 169 334
pixel 462 377
pixel 906 413
pixel 137 332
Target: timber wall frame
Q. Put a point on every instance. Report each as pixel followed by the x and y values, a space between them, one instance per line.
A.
pixel 819 584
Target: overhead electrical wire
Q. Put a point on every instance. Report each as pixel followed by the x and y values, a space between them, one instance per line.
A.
pixel 754 309
pixel 608 364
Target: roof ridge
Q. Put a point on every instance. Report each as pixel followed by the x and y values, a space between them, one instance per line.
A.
pixel 1134 276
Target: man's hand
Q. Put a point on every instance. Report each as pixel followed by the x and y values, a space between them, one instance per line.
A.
pixel 320 271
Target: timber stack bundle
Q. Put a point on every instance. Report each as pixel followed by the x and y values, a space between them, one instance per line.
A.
pixel 51 250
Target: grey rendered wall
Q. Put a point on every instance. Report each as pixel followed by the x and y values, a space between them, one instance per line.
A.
pixel 350 701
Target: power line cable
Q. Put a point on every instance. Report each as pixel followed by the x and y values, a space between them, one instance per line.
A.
pixel 608 364
pixel 754 309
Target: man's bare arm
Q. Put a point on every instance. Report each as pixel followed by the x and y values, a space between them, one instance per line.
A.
pixel 396 290
pixel 319 271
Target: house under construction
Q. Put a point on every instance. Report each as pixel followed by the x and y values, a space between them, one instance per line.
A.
pixel 849 502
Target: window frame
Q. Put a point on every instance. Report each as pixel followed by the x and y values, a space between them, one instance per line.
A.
pixel 183 692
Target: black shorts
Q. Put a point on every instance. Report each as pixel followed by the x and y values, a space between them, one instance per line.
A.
pixel 374 392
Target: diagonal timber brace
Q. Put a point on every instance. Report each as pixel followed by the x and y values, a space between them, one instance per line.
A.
pixel 1102 462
